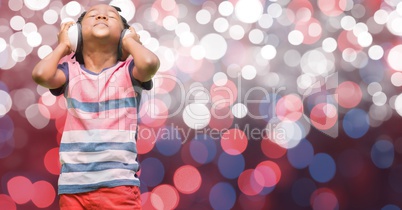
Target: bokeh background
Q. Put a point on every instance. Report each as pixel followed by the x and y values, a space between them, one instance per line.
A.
pixel 276 104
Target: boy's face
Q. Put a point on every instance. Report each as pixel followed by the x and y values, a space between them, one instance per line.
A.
pixel 102 21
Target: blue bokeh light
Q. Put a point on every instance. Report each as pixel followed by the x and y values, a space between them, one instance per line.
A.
pixel 222 196
pixel 322 168
pixel 168 141
pixel 152 171
pixel 382 154
pixel 301 155
pixel 203 149
pixel 356 123
pixel 231 166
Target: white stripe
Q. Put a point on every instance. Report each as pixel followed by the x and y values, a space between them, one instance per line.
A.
pixel 101 156
pixel 78 178
pixel 94 136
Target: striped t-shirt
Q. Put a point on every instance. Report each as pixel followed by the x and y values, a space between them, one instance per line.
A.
pixel 98 145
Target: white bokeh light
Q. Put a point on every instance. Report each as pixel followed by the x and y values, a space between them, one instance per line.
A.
pixel 127 8
pixel 203 16
pixel 220 79
pixel 248 11
pixel 394 57
pixel 268 52
pixel 236 32
pixel 248 72
pixel 329 44
pixel 44 50
pixel 256 36
pixel 196 116
pixel 225 8
pixel 221 25
pixel 215 46
pixel 36 4
pixel 170 23
pixel 376 52
pixel 5 103
pixel 34 39
pixel 50 16
pixel 73 8
pixel 17 22
pixel 295 37
pixel 239 110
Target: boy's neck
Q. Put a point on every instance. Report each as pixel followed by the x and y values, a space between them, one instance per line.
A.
pixel 98 60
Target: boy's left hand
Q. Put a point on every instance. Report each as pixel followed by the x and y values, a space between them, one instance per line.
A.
pixel 130 35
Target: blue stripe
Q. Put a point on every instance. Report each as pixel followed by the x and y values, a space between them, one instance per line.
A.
pixel 97 166
pixel 103 105
pixel 71 189
pixel 97 147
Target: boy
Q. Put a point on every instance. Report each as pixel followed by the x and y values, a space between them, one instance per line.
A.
pixel 102 89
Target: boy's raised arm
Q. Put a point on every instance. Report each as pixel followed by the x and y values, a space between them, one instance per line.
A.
pixel 45 72
pixel 146 62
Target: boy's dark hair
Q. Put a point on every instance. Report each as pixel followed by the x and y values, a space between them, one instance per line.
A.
pixel 78 55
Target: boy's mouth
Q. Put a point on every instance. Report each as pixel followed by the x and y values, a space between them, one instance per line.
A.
pixel 101 23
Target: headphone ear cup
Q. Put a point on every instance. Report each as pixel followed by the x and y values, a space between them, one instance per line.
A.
pixel 75 37
pixel 124 32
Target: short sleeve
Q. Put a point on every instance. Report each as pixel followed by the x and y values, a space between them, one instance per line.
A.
pixel 58 91
pixel 136 83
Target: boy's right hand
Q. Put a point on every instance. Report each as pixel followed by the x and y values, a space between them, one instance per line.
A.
pixel 63 37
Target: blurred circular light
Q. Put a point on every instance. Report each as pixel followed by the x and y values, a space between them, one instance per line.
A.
pixel 265 21
pixel 226 8
pixel 15 5
pixel 295 37
pixel 44 194
pixel 302 155
pixel 239 110
pixel 364 39
pixel 324 198
pixel 34 115
pixel 248 11
pixel 398 104
pixel 165 197
pixel 220 79
pixel 379 98
pixel 324 116
pixel 17 22
pixel 268 52
pixel 196 116
pixel 220 192
pixel 394 57
pixel 236 32
pixel 44 51
pixel 248 72
pixel 382 154
pixel 34 39
pixel 50 16
pixel 170 23
pixel 187 179
pixel 376 52
pixel 7 202
pixel 36 4
pixel 250 182
pixel 274 10
pixel 322 168
pixel 396 79
pixel 221 25
pixel 5 103
pixel 14 186
pixel 152 171
pixel 256 36
pixel 356 123
pixel 127 8
pixel 215 46
pixel 203 16
pixel 73 8
pixel 329 44
pixel 349 94
pixel 348 22
pixel 234 141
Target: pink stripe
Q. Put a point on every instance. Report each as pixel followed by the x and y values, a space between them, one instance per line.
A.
pixel 110 119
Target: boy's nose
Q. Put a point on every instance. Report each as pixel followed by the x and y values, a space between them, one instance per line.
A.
pixel 104 17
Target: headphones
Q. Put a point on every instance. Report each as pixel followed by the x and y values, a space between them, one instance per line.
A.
pixel 76 42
